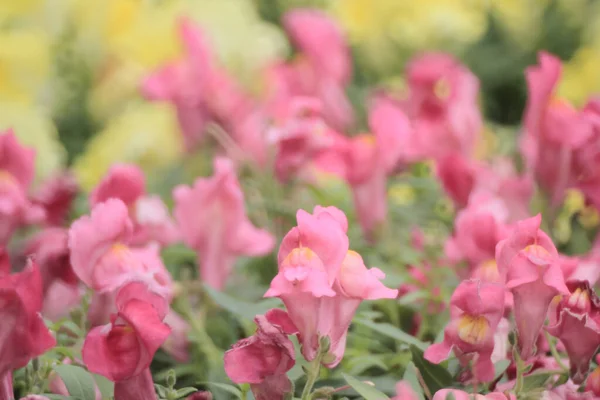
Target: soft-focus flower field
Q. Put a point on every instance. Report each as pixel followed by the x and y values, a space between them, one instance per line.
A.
pixel 299 200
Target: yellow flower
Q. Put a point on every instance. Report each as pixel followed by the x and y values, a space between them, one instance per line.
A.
pixel 521 20
pixel 580 77
pixel 24 65
pixel 145 134
pixel 35 129
pixel 402 194
pixel 10 9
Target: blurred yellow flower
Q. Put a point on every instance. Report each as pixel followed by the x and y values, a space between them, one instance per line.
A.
pixel 145 134
pixel 35 129
pixel 402 194
pixel 12 9
pixel 24 65
pixel 521 20
pixel 580 76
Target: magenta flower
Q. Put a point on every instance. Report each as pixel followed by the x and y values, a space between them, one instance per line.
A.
pixel 530 263
pixel 458 177
pixel 372 157
pixel 476 310
pixel 150 217
pixel 101 255
pixel 23 334
pixel 122 350
pixel 56 197
pixel 547 150
pixel 212 220
pixel 16 176
pixel 442 103
pixel 575 320
pixel 264 358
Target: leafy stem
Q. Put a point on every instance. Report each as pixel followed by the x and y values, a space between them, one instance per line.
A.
pixel 314 368
pixel 554 352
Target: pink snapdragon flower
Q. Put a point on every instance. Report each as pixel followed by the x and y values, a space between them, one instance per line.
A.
pixel 322 283
pixel 122 350
pixel 264 358
pixel 56 196
pixel 575 320
pixel 404 392
pixel 476 309
pixel 372 157
pixel 442 103
pixel 23 334
pixel 461 395
pixel 151 220
pixel 549 153
pixel 16 175
pixel 530 263
pixel 101 254
pixel 212 219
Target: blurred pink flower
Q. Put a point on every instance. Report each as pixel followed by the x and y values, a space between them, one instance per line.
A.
pixel 404 392
pixel 457 176
pixel 150 217
pixel 212 220
pixel 587 157
pixel 442 104
pixel 264 358
pixel 177 344
pixel 529 261
pixel 575 321
pixel 123 350
pixel 16 175
pixel 547 150
pixel 460 395
pixel 56 196
pixel 101 255
pixel 372 157
pixel 23 334
pixel 476 310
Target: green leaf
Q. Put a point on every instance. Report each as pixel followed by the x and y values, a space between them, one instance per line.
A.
pixel 392 332
pixel 53 396
pixel 106 387
pixel 181 393
pixel 366 391
pixel 535 381
pixel 435 376
pixel 224 387
pixel 410 376
pixel 241 308
pixel 78 381
pixel 500 367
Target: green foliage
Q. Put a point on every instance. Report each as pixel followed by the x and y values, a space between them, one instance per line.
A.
pixel 78 381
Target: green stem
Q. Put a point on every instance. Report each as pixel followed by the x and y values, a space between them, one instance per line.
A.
pixel 520 371
pixel 312 374
pixel 555 352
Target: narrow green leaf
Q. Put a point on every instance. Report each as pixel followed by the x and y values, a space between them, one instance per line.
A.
pixel 366 391
pixel 535 381
pixel 435 376
pixel 106 387
pixel 53 396
pixel 410 376
pixel 78 381
pixel 241 308
pixel 500 367
pixel 183 392
pixel 392 332
pixel 224 387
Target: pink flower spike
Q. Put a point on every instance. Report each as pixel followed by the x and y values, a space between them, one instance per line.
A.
pixel 124 182
pixel 533 275
pixel 212 220
pixel 477 308
pixel 575 321
pixel 124 348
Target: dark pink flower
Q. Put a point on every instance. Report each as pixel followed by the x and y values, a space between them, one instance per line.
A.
pixel 16 175
pixel 123 350
pixel 150 217
pixel 56 197
pixel 442 103
pixel 264 358
pixel 212 220
pixel 575 320
pixel 457 176
pixel 23 334
pixel 530 263
pixel 476 310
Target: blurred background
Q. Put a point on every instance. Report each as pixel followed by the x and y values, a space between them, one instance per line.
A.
pixel 70 70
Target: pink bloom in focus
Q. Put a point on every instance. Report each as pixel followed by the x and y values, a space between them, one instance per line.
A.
pixel 23 334
pixel 529 261
pixel 16 175
pixel 575 320
pixel 323 67
pixel 547 150
pixel 213 221
pixel 56 197
pixel 123 350
pixel 264 358
pixel 149 214
pixel 476 310
pixel 372 157
pixel 101 255
pixel 442 103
